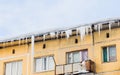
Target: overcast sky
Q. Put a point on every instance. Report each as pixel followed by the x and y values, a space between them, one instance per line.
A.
pixel 26 16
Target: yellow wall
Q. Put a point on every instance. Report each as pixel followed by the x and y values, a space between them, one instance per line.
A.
pixel 59 47
pixel 21 54
pixel 108 68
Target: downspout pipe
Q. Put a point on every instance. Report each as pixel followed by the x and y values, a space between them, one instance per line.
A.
pixel 93 44
pixel 32 53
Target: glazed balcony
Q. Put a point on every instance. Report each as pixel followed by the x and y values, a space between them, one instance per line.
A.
pixel 76 68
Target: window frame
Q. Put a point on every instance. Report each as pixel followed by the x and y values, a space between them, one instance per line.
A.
pixel 73 57
pixel 17 61
pixel 108 54
pixel 47 69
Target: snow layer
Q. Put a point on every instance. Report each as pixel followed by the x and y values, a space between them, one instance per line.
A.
pixel 110 24
pixel 82 29
pixel 52 34
pixel 99 28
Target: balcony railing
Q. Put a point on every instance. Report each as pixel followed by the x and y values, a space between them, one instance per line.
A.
pixel 84 67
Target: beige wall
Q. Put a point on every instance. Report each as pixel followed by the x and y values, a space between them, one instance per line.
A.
pixel 110 68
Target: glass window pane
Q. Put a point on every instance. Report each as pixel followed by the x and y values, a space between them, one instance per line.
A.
pixel 51 63
pixel 69 58
pixel 19 71
pixel 38 65
pixel 47 63
pixel 80 56
pixel 76 57
pixel 112 53
pixel 84 55
pixel 44 63
pixel 14 68
pixel 8 69
pixel 105 54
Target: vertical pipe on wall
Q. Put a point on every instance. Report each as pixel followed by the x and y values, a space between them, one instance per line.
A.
pixel 92 45
pixel 32 54
pixel 93 42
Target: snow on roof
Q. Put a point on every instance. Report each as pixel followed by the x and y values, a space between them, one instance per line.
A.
pixel 56 30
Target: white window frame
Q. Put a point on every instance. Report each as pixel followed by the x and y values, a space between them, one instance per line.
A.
pixel 108 53
pixel 45 66
pixel 72 58
pixel 18 69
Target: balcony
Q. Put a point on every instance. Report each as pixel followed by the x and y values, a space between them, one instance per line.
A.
pixel 76 68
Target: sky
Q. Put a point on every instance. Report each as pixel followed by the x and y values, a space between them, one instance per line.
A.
pixel 26 16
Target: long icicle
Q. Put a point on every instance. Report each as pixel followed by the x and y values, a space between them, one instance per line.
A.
pixel 19 41
pixel 44 36
pixel 86 30
pixel 68 33
pixel 57 33
pixel 99 28
pixel 118 23
pixel 26 39
pixel 52 34
pixel 110 24
pixel 82 32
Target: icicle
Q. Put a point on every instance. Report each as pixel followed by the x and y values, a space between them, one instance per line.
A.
pixel 82 32
pixel 96 27
pixel 22 40
pixel 77 31
pixel 110 23
pixel 57 33
pixel 90 29
pixel 99 28
pixel 32 43
pixel 61 33
pixel 109 26
pixel 11 42
pixel 52 34
pixel 3 44
pixel 44 36
pixel 26 39
pixel 118 23
pixel 19 41
pixel 68 33
pixel 86 30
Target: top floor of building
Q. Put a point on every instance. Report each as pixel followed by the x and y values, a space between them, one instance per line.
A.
pixel 98 42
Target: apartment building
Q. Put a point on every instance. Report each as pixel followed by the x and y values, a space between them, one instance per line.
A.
pixel 90 49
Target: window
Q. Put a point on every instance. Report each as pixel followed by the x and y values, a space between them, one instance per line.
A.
pixel 76 40
pixel 78 56
pixel 44 46
pixel 13 51
pixel 13 68
pixel 44 64
pixel 109 54
pixel 107 35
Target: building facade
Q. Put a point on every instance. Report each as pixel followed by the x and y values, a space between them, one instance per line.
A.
pixel 91 49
